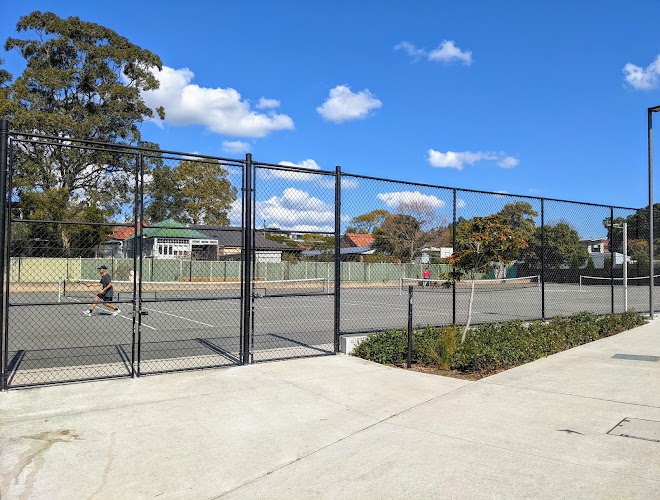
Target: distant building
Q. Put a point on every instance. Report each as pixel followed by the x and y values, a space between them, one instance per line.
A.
pixel 428 253
pixel 595 245
pixel 230 244
pixel 171 239
pixel 356 240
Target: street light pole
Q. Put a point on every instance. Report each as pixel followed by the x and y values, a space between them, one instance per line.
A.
pixel 651 266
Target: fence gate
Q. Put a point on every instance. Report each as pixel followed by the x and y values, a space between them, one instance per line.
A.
pixel 293 315
pixel 177 297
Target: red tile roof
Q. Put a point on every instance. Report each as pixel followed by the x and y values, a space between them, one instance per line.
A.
pixel 123 232
pixel 360 240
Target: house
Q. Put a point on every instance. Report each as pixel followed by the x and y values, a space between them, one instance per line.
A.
pixel 116 244
pixel 429 253
pixel 356 240
pixel 230 244
pixel 595 245
pixel 171 239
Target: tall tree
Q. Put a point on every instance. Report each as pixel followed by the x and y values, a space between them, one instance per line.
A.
pixel 368 222
pixel 83 81
pixel 519 217
pixel 404 233
pixel 196 192
pixel 562 248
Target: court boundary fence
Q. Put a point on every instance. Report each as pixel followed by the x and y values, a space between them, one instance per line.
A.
pixel 246 298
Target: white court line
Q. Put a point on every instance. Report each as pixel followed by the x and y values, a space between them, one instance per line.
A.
pixel 180 317
pixel 131 319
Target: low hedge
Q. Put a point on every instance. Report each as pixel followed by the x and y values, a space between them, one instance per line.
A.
pixel 493 347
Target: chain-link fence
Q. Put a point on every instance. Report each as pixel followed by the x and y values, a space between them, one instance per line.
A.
pixel 217 261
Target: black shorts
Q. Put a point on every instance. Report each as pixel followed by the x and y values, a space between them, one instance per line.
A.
pixel 107 297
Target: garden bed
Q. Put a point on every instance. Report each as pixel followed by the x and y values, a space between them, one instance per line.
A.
pixel 491 347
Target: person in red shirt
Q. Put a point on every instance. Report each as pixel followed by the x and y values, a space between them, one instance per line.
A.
pixel 427 276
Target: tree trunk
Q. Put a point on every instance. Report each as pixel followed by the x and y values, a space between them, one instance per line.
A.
pixel 469 316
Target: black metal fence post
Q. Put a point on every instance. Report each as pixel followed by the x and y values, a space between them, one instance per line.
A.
pixel 140 243
pixel 4 152
pixel 337 297
pixel 453 244
pixel 246 295
pixel 410 325
pixel 612 255
pixel 136 230
pixel 542 258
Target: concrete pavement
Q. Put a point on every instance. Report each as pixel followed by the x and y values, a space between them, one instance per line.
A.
pixel 340 427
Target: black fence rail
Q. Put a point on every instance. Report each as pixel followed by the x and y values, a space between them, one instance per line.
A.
pixel 219 262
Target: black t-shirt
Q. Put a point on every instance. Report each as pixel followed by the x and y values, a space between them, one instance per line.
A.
pixel 105 281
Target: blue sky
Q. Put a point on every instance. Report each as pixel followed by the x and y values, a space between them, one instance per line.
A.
pixel 532 98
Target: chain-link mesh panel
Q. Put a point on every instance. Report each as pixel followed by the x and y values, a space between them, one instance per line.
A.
pixel 577 259
pixel 393 234
pixel 190 249
pixel 293 269
pixel 62 199
pixel 497 240
pixel 631 283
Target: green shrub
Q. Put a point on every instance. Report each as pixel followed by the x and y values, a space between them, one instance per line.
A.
pixel 494 346
pixel 443 346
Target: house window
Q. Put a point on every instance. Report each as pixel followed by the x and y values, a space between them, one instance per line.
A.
pixel 172 248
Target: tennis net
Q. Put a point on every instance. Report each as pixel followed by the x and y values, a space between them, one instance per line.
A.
pixel 494 285
pixel 589 281
pixel 164 290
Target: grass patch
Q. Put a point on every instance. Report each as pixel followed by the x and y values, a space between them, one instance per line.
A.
pixel 491 347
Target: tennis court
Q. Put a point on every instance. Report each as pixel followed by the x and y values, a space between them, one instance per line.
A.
pixel 186 325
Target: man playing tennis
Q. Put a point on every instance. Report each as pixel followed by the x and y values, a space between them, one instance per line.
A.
pixel 105 294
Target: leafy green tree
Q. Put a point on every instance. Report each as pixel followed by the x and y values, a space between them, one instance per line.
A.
pixel 519 217
pixel 405 233
pixel 562 247
pixel 399 235
pixel 483 240
pixel 84 81
pixel 366 223
pixel 196 192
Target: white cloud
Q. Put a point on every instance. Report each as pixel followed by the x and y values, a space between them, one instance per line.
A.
pixel 460 203
pixel 329 183
pixel 458 159
pixel 535 191
pixel 447 51
pixel 397 198
pixel 292 175
pixel 411 50
pixel 508 162
pixel 643 78
pixel 236 147
pixel 343 105
pixel 296 210
pixel 267 103
pixel 221 110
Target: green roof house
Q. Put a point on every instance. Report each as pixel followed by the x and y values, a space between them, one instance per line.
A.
pixel 171 239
